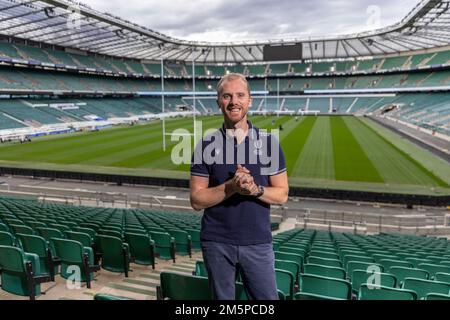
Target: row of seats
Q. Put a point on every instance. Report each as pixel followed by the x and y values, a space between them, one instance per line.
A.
pixel 311 265
pixel 11 78
pixel 55 238
pixel 128 66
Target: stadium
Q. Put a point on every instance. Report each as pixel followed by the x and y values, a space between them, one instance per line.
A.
pixel 91 110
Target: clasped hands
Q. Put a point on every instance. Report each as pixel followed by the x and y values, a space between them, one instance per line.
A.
pixel 243 182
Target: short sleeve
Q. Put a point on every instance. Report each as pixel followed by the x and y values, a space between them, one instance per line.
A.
pixel 198 165
pixel 278 163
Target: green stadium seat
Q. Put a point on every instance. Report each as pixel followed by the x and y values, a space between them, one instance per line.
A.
pixel 370 292
pixel 324 286
pixel 442 277
pixel 359 258
pixel 49 233
pixel 142 248
pixel 388 263
pixel 288 256
pixel 74 254
pixel 116 254
pixel 325 262
pixel 324 271
pixel 60 227
pixel 179 286
pixel 424 287
pixel 6 239
pixel 21 229
pixel 434 268
pixel 39 246
pixel 291 266
pixel 91 232
pixel 285 283
pixel 324 254
pixel 367 266
pixel 402 272
pixel 164 245
pixel 176 286
pixel 21 272
pixel 360 277
pixel 84 238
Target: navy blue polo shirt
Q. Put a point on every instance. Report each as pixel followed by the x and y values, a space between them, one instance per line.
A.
pixel 238 220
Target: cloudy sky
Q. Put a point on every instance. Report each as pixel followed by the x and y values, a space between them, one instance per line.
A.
pixel 228 20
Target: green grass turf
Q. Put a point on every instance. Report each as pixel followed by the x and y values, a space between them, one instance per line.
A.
pixel 332 152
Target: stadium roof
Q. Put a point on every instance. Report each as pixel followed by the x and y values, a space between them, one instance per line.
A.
pixel 75 25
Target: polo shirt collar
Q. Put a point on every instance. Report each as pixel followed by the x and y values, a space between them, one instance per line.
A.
pixel 251 129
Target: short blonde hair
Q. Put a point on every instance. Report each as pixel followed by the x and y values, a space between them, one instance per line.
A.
pixel 229 77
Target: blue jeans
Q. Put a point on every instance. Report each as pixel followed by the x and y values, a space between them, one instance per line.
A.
pixel 256 265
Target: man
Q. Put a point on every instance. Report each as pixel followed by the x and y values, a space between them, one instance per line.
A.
pixel 236 174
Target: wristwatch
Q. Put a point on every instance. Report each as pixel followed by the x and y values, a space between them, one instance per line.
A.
pixel 260 191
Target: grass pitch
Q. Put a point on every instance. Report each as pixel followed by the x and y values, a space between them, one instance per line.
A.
pixel 326 151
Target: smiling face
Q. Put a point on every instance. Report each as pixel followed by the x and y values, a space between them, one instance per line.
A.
pixel 234 100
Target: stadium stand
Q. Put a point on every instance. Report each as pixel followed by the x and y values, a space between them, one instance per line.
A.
pixel 310 264
pixel 46 87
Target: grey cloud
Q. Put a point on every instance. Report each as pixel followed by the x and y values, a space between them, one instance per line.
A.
pixel 256 19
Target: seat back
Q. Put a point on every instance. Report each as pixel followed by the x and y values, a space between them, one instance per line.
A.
pixel 324 254
pixel 285 282
pixel 424 287
pixel 434 268
pixel 39 246
pixel 442 277
pixel 6 239
pixel 291 266
pixel 84 238
pixel 114 256
pixel 176 286
pixel 12 259
pixel 325 262
pixel 387 263
pixel 61 227
pixel 360 277
pixel 403 272
pixel 140 248
pixel 69 251
pixel 48 233
pixel 288 256
pixel 112 233
pixel 163 244
pixel 33 244
pixel 325 286
pixel 293 249
pixel 360 258
pixel 324 271
pixel 367 266
pixel 370 292
pixel 89 231
pixel 21 229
